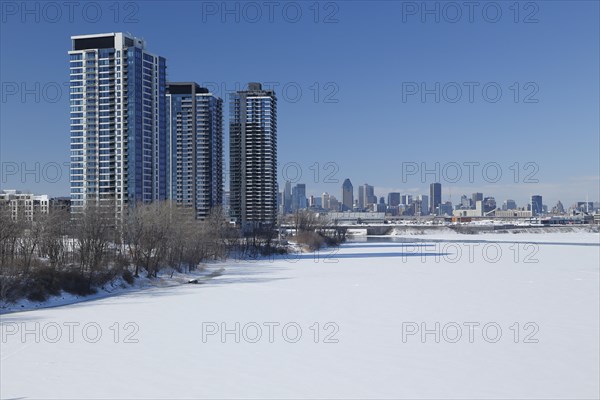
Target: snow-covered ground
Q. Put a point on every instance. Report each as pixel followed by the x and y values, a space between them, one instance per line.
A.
pixel 116 287
pixel 360 310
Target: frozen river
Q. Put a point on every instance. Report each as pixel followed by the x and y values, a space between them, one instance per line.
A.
pixel 497 316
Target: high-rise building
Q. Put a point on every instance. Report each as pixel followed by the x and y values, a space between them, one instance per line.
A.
pixel 118 122
pixel 347 195
pixel 287 197
pixel 325 201
pixel 489 204
pixel 558 208
pixel 406 199
pixel 299 197
pixel 475 197
pixel 465 202
pixel 195 139
pixel 370 197
pixel 424 200
pixel 334 204
pixel 509 205
pixel 435 197
pixel 253 156
pixel 361 197
pixel 393 199
pixel 536 205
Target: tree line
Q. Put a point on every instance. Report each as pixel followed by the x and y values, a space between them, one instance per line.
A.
pixel 77 253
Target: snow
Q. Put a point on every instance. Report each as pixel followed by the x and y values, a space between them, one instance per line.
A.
pixel 373 290
pixel 116 287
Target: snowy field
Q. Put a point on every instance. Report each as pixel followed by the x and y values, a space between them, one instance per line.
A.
pixel 514 320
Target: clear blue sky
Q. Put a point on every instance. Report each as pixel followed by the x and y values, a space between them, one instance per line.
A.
pixel 366 57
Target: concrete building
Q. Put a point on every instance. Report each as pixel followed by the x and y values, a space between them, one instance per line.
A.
pixel 422 204
pixel 351 218
pixel 24 206
pixel 326 201
pixel 195 140
pixel 512 213
pixel 477 212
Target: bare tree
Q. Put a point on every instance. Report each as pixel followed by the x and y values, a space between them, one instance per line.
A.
pixel 93 232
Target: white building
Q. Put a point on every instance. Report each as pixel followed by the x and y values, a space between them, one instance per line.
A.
pixel 25 205
pixel 477 212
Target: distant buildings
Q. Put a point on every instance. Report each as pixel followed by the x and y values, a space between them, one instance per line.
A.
pixel 475 197
pixel 326 201
pixel 422 204
pixel 393 199
pixel 435 197
pixel 489 204
pixel 299 197
pixel 509 205
pixel 253 156
pixel 287 198
pixel 476 212
pixel 512 213
pixel 347 195
pixel 366 196
pixel 536 205
pixel 26 206
pixel 406 199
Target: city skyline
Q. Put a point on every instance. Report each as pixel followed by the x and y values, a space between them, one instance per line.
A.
pixel 398 125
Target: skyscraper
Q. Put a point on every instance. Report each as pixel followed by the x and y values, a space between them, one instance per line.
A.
pixel 424 200
pixel 253 156
pixel 362 196
pixel 393 199
pixel 347 195
pixel 370 197
pixel 118 123
pixel 195 139
pixel 287 197
pixel 299 197
pixel 509 205
pixel 366 196
pixel 325 201
pixel 406 199
pixel 435 197
pixel 536 205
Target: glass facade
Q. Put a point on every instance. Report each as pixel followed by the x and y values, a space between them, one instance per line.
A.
pixel 118 123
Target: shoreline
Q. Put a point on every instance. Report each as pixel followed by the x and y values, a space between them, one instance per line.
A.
pixel 215 269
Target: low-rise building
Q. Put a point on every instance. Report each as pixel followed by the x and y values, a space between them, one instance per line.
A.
pixel 24 205
pixel 351 218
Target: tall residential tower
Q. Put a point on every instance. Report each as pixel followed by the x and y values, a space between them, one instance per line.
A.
pixel 118 123
pixel 195 139
pixel 253 156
